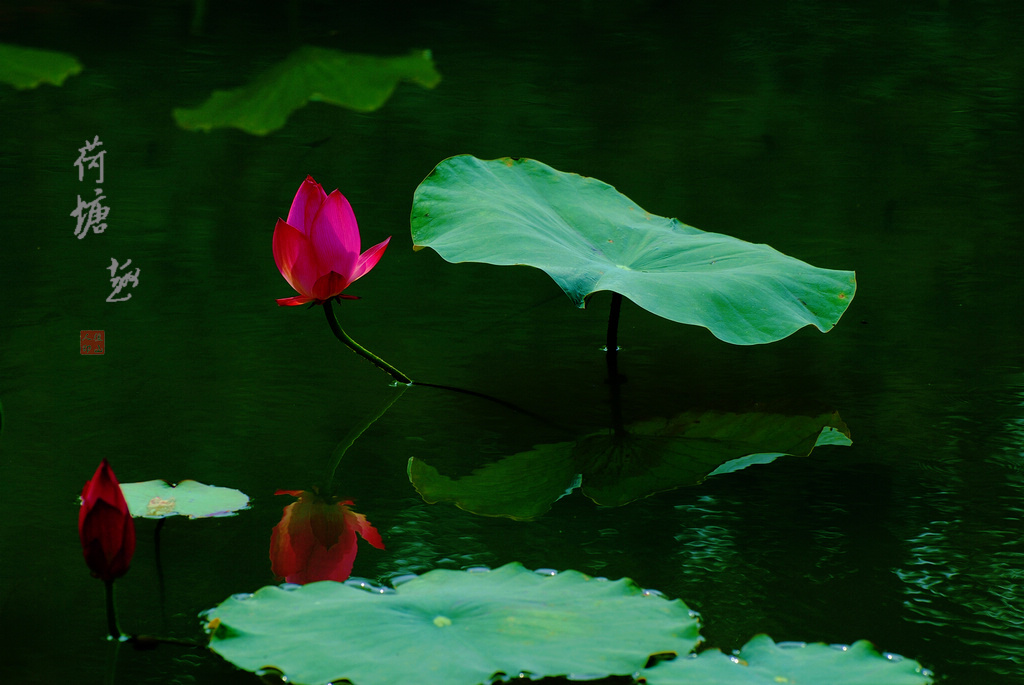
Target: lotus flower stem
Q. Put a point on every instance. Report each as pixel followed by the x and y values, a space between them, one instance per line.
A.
pixel 115 632
pixel 344 337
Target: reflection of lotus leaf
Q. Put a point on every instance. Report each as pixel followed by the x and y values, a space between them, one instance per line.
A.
pixel 360 82
pixel 26 68
pixel 589 237
pixel 663 454
pixel 762 662
pixel 158 499
pixel 452 628
pixel 652 456
pixel 521 486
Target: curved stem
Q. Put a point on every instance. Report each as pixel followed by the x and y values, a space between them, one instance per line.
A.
pixel 401 378
pixel 344 337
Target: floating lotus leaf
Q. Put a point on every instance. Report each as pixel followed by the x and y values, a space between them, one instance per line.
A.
pixel 26 68
pixel 762 662
pixel 589 237
pixel 452 628
pixel 360 82
pixel 651 456
pixel 156 499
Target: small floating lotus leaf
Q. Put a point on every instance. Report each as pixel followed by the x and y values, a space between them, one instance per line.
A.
pixel 452 628
pixel 762 662
pixel 360 82
pixel 589 237
pixel 651 456
pixel 26 68
pixel 158 499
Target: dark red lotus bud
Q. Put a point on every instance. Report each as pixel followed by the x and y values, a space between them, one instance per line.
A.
pixel 105 526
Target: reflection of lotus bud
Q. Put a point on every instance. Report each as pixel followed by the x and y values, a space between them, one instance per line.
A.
pixel 316 538
pixel 105 526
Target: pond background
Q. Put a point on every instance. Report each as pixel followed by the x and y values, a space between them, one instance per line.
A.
pixel 881 137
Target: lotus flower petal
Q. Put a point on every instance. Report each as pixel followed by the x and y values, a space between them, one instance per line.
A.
pixel 365 529
pixel 329 285
pixel 317 248
pixel 307 201
pixel 335 234
pixel 369 259
pixel 295 260
pixel 316 538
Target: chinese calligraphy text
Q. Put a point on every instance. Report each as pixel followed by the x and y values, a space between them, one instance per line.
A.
pixel 119 282
pixel 94 218
pixel 90 214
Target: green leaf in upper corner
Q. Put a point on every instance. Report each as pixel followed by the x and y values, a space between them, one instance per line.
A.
pixel 360 82
pixel 159 499
pixel 26 68
pixel 452 628
pixel 763 662
pixel 589 237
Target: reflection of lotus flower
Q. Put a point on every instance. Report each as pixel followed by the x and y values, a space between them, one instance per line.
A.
pixel 317 249
pixel 105 526
pixel 316 538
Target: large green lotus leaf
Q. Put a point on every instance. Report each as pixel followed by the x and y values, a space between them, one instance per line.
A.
pixel 589 237
pixel 762 662
pixel 615 469
pixel 360 82
pixel 157 499
pixel 452 628
pixel 26 68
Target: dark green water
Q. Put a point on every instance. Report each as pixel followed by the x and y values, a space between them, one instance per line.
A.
pixel 881 137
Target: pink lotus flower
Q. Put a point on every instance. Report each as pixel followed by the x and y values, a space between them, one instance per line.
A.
pixel 316 538
pixel 105 526
pixel 317 249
